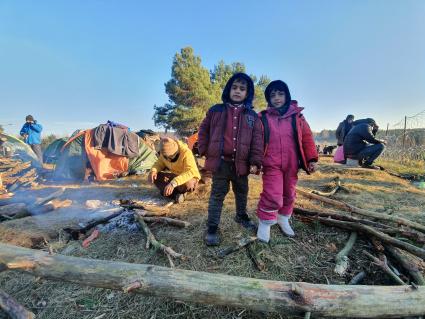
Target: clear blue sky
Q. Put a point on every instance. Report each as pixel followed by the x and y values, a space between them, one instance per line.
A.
pixel 75 64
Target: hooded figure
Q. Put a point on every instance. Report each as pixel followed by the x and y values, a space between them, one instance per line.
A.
pixel 343 128
pixel 231 139
pixel 361 144
pixel 289 145
pixel 31 132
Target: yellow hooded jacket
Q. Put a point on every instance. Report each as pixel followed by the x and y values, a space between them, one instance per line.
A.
pixel 185 167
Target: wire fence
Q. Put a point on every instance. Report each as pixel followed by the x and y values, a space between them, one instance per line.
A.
pixel 406 139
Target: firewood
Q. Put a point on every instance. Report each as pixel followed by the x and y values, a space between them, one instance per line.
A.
pixel 383 264
pixel 167 221
pixel 407 263
pixel 255 258
pixel 151 240
pixel 240 244
pixel 364 212
pixel 13 308
pixel 145 206
pixel 331 192
pixel 357 278
pixel 341 258
pixel 284 298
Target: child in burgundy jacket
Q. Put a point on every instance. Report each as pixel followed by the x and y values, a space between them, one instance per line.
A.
pixel 231 139
pixel 289 145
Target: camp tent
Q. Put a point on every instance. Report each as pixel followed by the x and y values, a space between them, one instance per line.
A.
pixel 21 150
pixel 78 158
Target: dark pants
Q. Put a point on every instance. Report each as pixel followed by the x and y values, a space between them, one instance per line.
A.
pixel 370 153
pixel 164 178
pixel 219 189
pixel 37 150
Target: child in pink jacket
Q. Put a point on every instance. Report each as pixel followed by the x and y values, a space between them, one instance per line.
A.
pixel 289 145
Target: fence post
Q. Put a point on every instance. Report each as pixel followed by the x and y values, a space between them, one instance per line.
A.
pixel 404 130
pixel 386 132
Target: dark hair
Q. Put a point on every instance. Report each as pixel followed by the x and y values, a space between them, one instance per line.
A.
pixel 350 117
pixel 277 85
pixel 29 118
pixel 225 96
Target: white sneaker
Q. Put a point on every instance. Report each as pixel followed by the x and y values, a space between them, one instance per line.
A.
pixel 263 231
pixel 283 222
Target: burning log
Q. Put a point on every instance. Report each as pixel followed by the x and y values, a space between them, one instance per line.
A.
pixel 131 204
pixel 364 212
pixel 167 221
pixel 13 308
pixel 76 232
pixel 219 289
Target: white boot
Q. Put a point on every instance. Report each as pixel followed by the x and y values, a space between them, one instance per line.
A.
pixel 283 222
pixel 263 231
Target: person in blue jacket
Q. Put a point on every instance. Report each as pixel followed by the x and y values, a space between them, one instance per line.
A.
pixel 31 132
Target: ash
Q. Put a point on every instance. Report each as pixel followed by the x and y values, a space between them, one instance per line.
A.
pixel 125 221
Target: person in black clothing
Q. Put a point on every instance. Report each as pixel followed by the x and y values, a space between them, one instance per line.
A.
pixel 343 128
pixel 361 144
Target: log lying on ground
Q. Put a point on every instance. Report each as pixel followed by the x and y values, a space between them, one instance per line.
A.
pixel 375 233
pixel 167 221
pixel 145 206
pixel 218 289
pixel 13 308
pixel 364 212
pixel 331 192
pixel 407 264
pixel 389 230
pixel 20 210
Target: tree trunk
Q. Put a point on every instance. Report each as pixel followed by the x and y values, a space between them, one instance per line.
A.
pixel 218 289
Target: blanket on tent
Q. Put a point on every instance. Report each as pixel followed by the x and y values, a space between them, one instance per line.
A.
pixel 117 140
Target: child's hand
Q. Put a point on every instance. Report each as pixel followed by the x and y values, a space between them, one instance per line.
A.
pixel 312 167
pixel 253 169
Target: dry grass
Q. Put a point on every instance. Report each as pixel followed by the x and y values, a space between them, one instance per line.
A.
pixel 309 257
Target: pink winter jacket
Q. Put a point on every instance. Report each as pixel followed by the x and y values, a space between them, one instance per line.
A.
pixel 291 144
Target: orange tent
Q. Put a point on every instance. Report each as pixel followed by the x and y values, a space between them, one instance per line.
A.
pixel 191 140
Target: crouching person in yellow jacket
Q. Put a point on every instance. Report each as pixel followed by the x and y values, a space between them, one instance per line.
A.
pixel 183 175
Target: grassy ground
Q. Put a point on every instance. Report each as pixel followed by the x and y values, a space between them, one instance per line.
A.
pixel 308 257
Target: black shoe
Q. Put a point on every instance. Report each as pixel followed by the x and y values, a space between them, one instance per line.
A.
pixel 212 239
pixel 245 222
pixel 180 198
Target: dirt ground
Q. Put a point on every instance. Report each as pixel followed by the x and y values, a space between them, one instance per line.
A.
pixel 308 257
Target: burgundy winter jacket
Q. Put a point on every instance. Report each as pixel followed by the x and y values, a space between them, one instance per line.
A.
pixel 250 146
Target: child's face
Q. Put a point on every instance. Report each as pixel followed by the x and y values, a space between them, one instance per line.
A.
pixel 238 91
pixel 277 98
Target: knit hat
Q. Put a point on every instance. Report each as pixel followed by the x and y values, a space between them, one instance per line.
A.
pixel 29 118
pixel 277 85
pixel 168 147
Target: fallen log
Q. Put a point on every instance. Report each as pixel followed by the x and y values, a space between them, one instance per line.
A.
pixel 13 308
pixel 389 230
pixel 219 289
pixel 341 258
pixel 13 209
pixel 364 212
pixel 151 240
pixel 375 233
pixel 407 264
pixel 167 221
